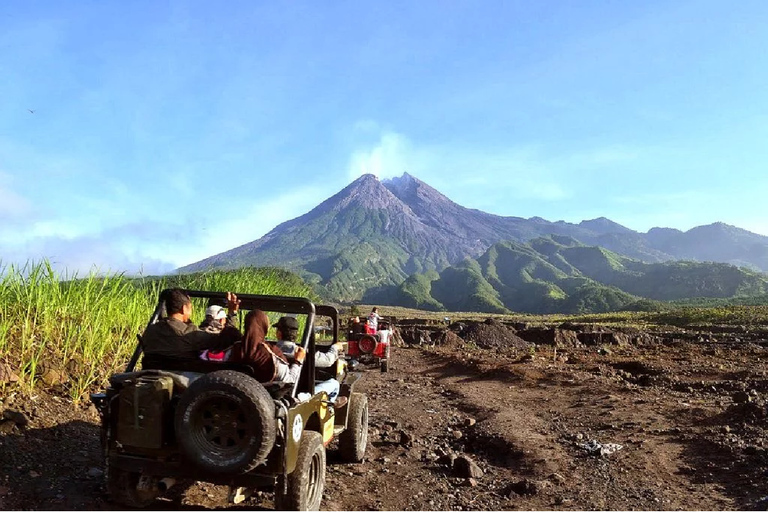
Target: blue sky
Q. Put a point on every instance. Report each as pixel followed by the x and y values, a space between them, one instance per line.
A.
pixel 164 132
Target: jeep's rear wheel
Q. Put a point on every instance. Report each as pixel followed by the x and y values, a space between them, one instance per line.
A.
pixel 123 489
pixel 353 441
pixel 225 423
pixel 306 483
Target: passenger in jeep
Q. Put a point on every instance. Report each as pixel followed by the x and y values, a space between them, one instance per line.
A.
pixel 174 339
pixel 268 363
pixel 287 329
pixel 216 319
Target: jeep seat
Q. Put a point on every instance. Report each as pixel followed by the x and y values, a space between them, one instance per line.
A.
pixel 156 362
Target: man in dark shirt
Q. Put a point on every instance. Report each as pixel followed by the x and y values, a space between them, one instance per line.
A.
pixel 176 338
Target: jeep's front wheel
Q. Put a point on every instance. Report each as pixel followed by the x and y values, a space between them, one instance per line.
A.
pixel 306 483
pixel 353 441
pixel 123 489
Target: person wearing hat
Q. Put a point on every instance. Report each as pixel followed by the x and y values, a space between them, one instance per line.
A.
pixel 286 331
pixel 216 319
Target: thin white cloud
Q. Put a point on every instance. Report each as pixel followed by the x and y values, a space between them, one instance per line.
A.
pixel 514 172
pixel 386 159
pixel 12 205
pixel 155 247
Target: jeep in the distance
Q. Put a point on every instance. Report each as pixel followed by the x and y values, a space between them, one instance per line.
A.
pixel 214 422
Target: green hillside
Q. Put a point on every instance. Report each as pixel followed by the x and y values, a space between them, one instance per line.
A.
pixel 558 274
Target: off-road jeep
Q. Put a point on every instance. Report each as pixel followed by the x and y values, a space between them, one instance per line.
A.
pixel 214 422
pixel 370 348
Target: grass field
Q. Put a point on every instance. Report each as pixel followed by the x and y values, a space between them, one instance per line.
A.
pixel 83 329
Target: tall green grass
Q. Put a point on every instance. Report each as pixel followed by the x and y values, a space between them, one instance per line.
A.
pixel 84 328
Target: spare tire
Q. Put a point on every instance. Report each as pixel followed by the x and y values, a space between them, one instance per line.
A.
pixel 225 423
pixel 367 344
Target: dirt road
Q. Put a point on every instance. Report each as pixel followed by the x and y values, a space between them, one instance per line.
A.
pixel 688 418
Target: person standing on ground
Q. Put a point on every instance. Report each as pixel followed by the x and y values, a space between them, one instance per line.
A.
pixel 373 321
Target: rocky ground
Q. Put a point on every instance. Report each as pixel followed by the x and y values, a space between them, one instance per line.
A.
pixel 569 418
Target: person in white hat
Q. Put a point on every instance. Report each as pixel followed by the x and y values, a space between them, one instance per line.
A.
pixel 215 319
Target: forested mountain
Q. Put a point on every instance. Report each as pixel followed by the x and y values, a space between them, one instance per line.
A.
pixel 372 235
pixel 559 274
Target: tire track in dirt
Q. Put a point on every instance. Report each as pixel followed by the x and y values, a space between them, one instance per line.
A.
pixel 530 419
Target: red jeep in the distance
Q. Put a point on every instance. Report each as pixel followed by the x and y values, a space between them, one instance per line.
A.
pixel 370 348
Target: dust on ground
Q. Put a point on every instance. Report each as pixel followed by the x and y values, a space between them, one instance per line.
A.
pixel 585 420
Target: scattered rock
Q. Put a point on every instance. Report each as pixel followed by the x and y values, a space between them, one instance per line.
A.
pixel 524 487
pixel 468 422
pixel 457 434
pixel 53 377
pixel 557 477
pixel 17 417
pixel 406 439
pixel 761 504
pixel 95 473
pixel 7 374
pixel 470 482
pixel 464 467
pixel 34 474
pixel 742 397
pixel 592 447
pixel 447 460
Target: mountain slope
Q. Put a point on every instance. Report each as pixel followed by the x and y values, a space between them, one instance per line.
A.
pixel 561 275
pixel 372 235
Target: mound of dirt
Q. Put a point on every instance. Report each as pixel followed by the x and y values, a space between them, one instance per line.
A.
pixel 492 334
pixel 448 338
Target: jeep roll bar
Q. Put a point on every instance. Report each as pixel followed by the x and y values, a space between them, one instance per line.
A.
pixel 271 303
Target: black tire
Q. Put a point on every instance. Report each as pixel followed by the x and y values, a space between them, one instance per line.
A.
pixel 307 482
pixel 122 488
pixel 353 440
pixel 225 423
pixel 384 365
